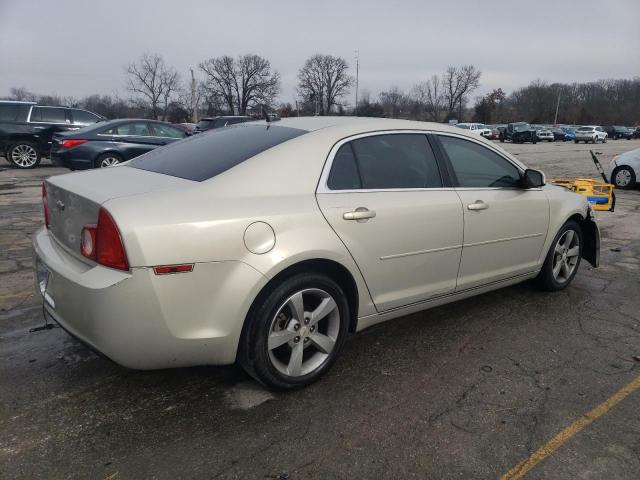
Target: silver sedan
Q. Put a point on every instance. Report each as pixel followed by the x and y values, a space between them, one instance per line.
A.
pixel 267 243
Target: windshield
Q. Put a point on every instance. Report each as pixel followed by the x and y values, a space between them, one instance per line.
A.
pixel 521 127
pixel 202 157
pixel 462 125
pixel 585 129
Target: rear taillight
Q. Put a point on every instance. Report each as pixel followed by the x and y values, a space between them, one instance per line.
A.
pixel 45 205
pixel 72 143
pixel 103 243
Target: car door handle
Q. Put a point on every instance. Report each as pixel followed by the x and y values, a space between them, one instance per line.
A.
pixel 360 213
pixel 478 205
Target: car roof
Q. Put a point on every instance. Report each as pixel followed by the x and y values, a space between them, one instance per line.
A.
pixel 18 102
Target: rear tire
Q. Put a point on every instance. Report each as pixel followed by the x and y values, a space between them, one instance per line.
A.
pixel 24 155
pixel 563 259
pixel 285 352
pixel 107 160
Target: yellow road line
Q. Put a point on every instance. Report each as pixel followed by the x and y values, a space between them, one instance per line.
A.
pixel 521 469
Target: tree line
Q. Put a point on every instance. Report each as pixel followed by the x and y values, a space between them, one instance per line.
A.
pixel 247 84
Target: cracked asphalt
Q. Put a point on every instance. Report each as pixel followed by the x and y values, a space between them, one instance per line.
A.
pixel 467 390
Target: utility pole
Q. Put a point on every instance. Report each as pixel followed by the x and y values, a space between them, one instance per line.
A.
pixel 357 75
pixel 194 103
pixel 555 119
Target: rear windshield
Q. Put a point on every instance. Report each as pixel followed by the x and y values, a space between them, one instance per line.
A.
pixel 202 157
pixel 205 124
pixel 585 129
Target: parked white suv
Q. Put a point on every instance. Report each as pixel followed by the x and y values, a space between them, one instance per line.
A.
pixel 477 128
pixel 591 133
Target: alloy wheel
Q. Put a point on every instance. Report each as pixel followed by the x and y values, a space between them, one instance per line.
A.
pixel 24 156
pixel 303 332
pixel 109 162
pixel 566 256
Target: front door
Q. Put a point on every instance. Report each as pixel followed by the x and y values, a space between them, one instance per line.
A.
pixel 505 225
pixel 384 199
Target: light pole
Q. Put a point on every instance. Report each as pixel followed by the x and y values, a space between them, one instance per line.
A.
pixel 555 119
pixel 357 75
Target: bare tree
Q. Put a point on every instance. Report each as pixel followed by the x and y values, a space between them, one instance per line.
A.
pixel 323 80
pixel 241 83
pixel 430 96
pixel 395 103
pixel 459 83
pixel 152 78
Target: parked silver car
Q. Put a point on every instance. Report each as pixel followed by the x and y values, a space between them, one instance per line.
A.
pixel 267 243
pixel 624 169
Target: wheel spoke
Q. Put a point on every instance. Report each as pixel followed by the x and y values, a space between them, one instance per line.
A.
pixel 296 305
pixel 295 361
pixel 557 267
pixel 327 305
pixel 568 238
pixel 324 343
pixel 280 338
pixel 573 251
pixel 559 248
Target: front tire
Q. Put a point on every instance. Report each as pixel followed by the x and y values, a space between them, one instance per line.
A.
pixel 24 155
pixel 294 333
pixel 563 258
pixel 624 178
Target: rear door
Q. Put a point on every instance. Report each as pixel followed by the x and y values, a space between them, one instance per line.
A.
pixel 505 226
pixel 46 121
pixel 384 196
pixel 132 139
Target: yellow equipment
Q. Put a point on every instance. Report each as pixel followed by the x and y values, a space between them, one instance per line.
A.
pixel 599 194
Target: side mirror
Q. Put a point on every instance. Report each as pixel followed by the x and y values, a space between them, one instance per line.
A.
pixel 532 178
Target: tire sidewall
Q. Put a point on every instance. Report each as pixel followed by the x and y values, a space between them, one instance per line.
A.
pixel 259 322
pixel 17 144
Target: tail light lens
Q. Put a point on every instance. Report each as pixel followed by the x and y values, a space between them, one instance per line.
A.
pixel 72 143
pixel 103 243
pixel 45 205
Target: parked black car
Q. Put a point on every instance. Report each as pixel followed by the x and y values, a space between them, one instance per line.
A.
pixel 636 132
pixel 617 132
pixel 558 134
pixel 109 143
pixel 210 123
pixel 26 129
pixel 519 132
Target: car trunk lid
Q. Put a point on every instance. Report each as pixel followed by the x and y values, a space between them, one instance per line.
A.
pixel 74 200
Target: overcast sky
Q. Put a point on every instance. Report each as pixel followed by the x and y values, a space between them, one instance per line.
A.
pixel 76 48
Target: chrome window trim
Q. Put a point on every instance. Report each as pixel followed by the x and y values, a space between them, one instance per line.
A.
pixel 126 136
pixel 324 177
pixel 323 186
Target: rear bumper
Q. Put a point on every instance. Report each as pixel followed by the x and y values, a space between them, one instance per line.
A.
pixel 68 160
pixel 144 321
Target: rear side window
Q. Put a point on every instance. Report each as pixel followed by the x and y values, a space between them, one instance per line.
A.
pixel 13 112
pixel 383 162
pixel 48 115
pixel 476 166
pixel 167 131
pixel 344 170
pixel 81 117
pixel 134 129
pixel 202 157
